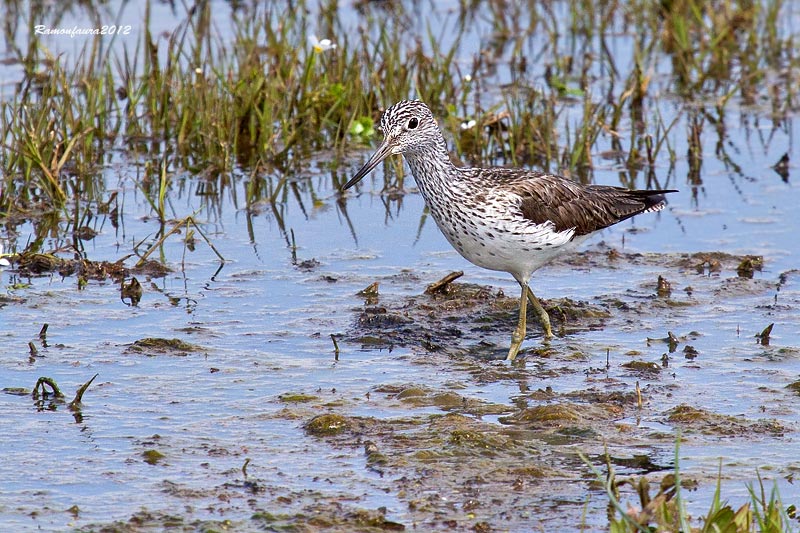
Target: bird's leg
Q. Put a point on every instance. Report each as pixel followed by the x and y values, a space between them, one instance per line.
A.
pixel 541 313
pixel 519 332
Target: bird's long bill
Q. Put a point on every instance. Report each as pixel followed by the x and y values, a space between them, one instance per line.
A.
pixel 383 151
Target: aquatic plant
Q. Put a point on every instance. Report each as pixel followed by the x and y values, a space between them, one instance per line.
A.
pixel 272 94
pixel 666 510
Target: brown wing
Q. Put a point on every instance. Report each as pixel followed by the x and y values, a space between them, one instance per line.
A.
pixel 586 208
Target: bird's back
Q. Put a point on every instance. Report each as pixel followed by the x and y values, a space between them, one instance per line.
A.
pixel 566 204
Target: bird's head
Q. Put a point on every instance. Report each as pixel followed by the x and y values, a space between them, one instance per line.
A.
pixel 408 126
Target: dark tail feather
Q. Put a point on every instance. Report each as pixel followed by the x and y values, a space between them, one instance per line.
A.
pixel 652 200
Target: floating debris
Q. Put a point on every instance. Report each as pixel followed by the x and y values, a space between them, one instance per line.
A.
pixel 645 367
pixel 335 346
pixel 84 233
pixel 374 456
pixel 369 291
pixel 151 269
pixel 707 263
pixel 689 352
pixel 16 391
pixel 763 337
pixel 671 340
pixel 639 401
pixel 710 423
pixel 132 290
pixel 308 265
pixel 551 414
pixel 442 286
pixel 153 457
pixel 327 425
pixel 152 346
pixel 76 402
pixel 297 398
pixel 663 287
pixel 35 263
pixel 749 266
pixel 782 167
pixel 43 382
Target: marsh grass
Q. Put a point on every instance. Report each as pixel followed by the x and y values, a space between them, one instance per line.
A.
pixel 665 508
pixel 260 99
pixel 258 102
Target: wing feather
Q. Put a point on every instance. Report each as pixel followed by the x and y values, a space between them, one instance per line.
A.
pixel 568 205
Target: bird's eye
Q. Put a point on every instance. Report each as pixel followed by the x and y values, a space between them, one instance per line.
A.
pixel 413 123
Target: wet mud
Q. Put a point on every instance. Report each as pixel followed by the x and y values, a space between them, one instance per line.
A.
pixel 458 461
pixel 452 457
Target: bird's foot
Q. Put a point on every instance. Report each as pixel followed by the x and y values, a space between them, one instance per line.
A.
pixel 544 319
pixel 541 314
pixel 516 341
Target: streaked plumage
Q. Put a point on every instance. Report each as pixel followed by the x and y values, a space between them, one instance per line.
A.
pixel 510 220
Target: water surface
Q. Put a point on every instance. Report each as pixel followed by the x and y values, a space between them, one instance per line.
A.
pixel 263 321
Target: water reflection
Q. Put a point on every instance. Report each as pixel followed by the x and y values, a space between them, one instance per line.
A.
pixel 298 251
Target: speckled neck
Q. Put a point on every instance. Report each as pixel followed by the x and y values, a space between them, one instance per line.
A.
pixel 433 171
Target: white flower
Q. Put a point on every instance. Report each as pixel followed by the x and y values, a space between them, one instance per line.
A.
pixel 467 78
pixel 468 125
pixel 321 45
pixel 3 261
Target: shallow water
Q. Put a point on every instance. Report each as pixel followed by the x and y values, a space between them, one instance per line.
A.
pixel 263 324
